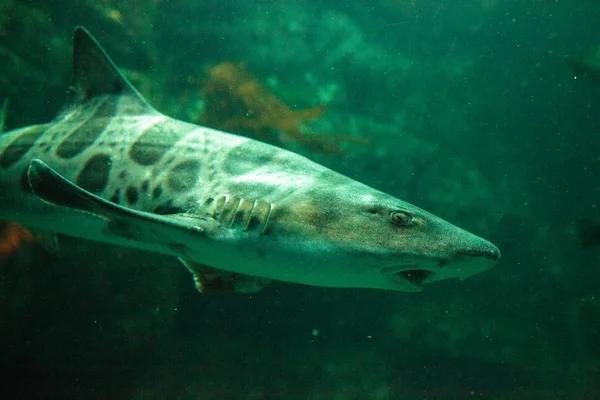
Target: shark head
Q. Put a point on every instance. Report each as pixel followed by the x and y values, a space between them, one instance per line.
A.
pixel 374 240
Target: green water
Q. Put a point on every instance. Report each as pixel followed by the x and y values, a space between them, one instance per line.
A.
pixel 466 108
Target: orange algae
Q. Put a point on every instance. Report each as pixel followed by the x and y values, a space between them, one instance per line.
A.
pixel 12 236
pixel 235 101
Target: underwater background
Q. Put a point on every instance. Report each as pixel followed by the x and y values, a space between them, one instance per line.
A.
pixel 484 112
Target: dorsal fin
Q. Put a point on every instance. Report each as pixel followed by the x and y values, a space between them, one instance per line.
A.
pixel 95 74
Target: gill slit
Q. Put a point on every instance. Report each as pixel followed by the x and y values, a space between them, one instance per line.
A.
pixel 236 211
pixel 250 216
pixel 268 218
pixel 220 209
pixel 214 210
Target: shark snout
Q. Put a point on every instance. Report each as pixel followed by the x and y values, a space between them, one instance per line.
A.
pixel 466 255
pixel 480 255
pixel 484 249
pixel 462 262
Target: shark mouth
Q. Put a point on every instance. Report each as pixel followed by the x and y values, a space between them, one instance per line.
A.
pixel 416 276
pixel 402 274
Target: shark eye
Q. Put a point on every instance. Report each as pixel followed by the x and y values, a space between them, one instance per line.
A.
pixel 401 218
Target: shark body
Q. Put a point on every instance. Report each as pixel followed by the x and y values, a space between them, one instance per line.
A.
pixel 236 211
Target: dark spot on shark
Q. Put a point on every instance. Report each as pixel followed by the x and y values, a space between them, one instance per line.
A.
pixel 63 130
pixel 51 138
pixel 192 200
pixel 145 185
pixel 247 157
pixel 95 173
pixel 131 194
pixel 20 146
pixel 44 145
pixel 152 145
pixel 183 176
pixel 116 197
pixel 123 174
pixel 87 133
pixel 157 192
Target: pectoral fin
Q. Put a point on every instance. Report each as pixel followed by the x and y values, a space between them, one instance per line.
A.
pixel 210 280
pixel 121 221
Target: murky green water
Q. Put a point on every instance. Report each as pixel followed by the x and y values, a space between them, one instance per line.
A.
pixel 469 110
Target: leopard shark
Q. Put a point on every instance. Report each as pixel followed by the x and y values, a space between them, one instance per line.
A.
pixel 238 213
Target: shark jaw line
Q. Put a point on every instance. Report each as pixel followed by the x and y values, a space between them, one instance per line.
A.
pixel 415 272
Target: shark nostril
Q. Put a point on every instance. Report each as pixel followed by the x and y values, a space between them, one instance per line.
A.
pixel 495 254
pixel 471 252
pixel 490 251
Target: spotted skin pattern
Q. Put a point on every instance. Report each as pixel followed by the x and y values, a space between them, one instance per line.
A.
pixel 20 145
